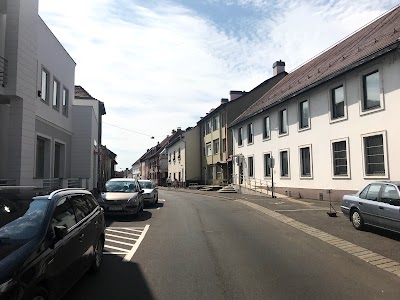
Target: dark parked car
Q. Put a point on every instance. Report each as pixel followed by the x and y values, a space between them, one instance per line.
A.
pixel 47 242
pixel 376 204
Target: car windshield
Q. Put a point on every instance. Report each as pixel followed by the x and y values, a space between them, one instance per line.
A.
pixel 120 187
pixel 145 184
pixel 20 220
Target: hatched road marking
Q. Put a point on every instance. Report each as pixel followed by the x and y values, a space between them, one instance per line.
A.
pixel 124 240
pixel 353 249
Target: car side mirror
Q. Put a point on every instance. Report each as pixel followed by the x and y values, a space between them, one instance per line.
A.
pixel 141 191
pixel 60 231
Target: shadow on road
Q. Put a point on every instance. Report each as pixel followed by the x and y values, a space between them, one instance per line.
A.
pixel 158 205
pixel 116 280
pixel 382 232
pixel 144 215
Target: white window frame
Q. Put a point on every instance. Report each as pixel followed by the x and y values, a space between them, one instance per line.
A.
pixel 208 126
pixel 66 111
pixel 299 115
pixel 279 122
pixel 265 163
pixel 263 128
pixel 348 176
pixel 240 137
pixel 209 153
pixel 45 95
pixel 280 162
pixel 366 72
pixel 385 152
pixel 311 176
pixel 50 139
pixel 250 125
pixel 58 98
pixel 330 89
pixel 248 166
pixel 215 120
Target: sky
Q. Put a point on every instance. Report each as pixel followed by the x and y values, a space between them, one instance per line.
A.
pixel 162 64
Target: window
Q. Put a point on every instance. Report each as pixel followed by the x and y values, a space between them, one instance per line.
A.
pixel 81 207
pixel 250 163
pixel 179 153
pixel 240 136
pixel 305 162
pixel 284 156
pixel 59 159
pixel 223 145
pixel 304 115
pixel 339 157
pixel 208 127
pixel 389 193
pixel 266 129
pixel 250 133
pixel 363 194
pixel 203 130
pixel 174 155
pixel 91 202
pixel 216 146
pixel 40 149
pixel 337 103
pixel 208 149
pixel 45 86
pixel 374 155
pixel 267 165
pixel 373 192
pixel 65 102
pixel 170 156
pixel 283 122
pixel 223 120
pixel 371 91
pixel 216 123
pixel 63 214
pixel 56 94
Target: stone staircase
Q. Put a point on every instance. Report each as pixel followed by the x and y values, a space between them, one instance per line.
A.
pixel 228 189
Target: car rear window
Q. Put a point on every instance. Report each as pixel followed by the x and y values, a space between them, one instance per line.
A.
pixel 146 184
pixel 121 186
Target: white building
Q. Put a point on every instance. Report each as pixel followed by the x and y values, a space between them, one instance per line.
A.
pixel 35 98
pixel 86 140
pixel 135 170
pixel 330 124
pixel 184 157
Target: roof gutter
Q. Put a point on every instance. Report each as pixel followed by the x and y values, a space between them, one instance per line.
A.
pixel 358 63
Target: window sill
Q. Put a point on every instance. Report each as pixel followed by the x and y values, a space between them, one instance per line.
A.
pixel 371 111
pixel 267 139
pixel 376 176
pixel 283 134
pixel 285 177
pixel 304 129
pixel 307 177
pixel 249 144
pixel 337 120
pixel 338 177
pixel 240 146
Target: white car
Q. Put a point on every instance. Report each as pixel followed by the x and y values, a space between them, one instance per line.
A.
pixel 150 194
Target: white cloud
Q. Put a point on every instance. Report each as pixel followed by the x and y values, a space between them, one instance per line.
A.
pixel 162 66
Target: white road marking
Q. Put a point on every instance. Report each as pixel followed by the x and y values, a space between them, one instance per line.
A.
pixel 121 237
pixel 158 208
pixel 118 242
pixel 124 232
pixel 116 248
pixel 136 230
pixel 114 253
pixel 129 256
pixel 162 200
pixel 115 227
pixel 301 209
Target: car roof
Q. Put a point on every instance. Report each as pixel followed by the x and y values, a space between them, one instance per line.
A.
pixel 122 179
pixel 145 180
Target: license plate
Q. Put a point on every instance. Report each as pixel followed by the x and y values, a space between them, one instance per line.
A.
pixel 115 208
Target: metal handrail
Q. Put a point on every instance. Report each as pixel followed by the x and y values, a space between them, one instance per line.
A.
pixel 255 184
pixel 3 71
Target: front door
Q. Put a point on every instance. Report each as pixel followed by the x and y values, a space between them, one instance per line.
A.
pixel 389 213
pixel 369 203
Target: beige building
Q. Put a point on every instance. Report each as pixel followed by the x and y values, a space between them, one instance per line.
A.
pixel 216 139
pixel 184 165
pixel 330 125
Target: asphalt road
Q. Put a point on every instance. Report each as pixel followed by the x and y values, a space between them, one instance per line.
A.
pixel 201 247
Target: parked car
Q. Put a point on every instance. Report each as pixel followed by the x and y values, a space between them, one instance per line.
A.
pixel 47 242
pixel 150 195
pixel 377 204
pixel 122 196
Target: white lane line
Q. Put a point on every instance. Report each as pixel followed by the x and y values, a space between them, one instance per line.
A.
pixel 162 200
pixel 123 232
pixel 129 256
pixel 158 208
pixel 121 237
pixel 116 248
pixel 135 230
pixel 114 253
pixel 118 242
pixel 139 228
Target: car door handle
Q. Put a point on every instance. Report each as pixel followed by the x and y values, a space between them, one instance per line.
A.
pixel 81 236
pixel 380 207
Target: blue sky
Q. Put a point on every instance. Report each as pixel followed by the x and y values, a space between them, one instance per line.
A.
pixel 162 64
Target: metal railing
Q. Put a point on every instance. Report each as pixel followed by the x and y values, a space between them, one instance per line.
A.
pixel 74 183
pixel 52 183
pixel 3 71
pixel 255 184
pixel 7 182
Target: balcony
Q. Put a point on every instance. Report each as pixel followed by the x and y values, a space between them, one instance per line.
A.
pixel 3 71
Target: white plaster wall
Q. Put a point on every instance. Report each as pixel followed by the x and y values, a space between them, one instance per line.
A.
pixel 321 133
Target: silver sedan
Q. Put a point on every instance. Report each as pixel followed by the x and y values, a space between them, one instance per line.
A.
pixel 150 194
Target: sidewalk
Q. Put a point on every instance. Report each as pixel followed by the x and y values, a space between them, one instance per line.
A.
pixel 314 213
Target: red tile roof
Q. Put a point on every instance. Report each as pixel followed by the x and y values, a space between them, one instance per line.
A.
pixel 81 93
pixel 349 53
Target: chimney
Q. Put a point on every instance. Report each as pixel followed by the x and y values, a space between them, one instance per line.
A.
pixel 179 129
pixel 236 94
pixel 278 67
pixel 173 131
pixel 224 100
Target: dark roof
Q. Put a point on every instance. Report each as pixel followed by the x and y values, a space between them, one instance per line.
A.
pixel 160 146
pixel 371 41
pixel 81 93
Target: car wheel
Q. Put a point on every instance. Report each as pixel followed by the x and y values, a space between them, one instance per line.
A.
pixel 357 220
pixel 98 256
pixel 40 293
pixel 154 201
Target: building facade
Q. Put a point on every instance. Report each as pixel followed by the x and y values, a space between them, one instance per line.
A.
pixel 330 126
pixel 37 77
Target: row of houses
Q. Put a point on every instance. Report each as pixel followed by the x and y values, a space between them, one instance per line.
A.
pixel 323 130
pixel 50 129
